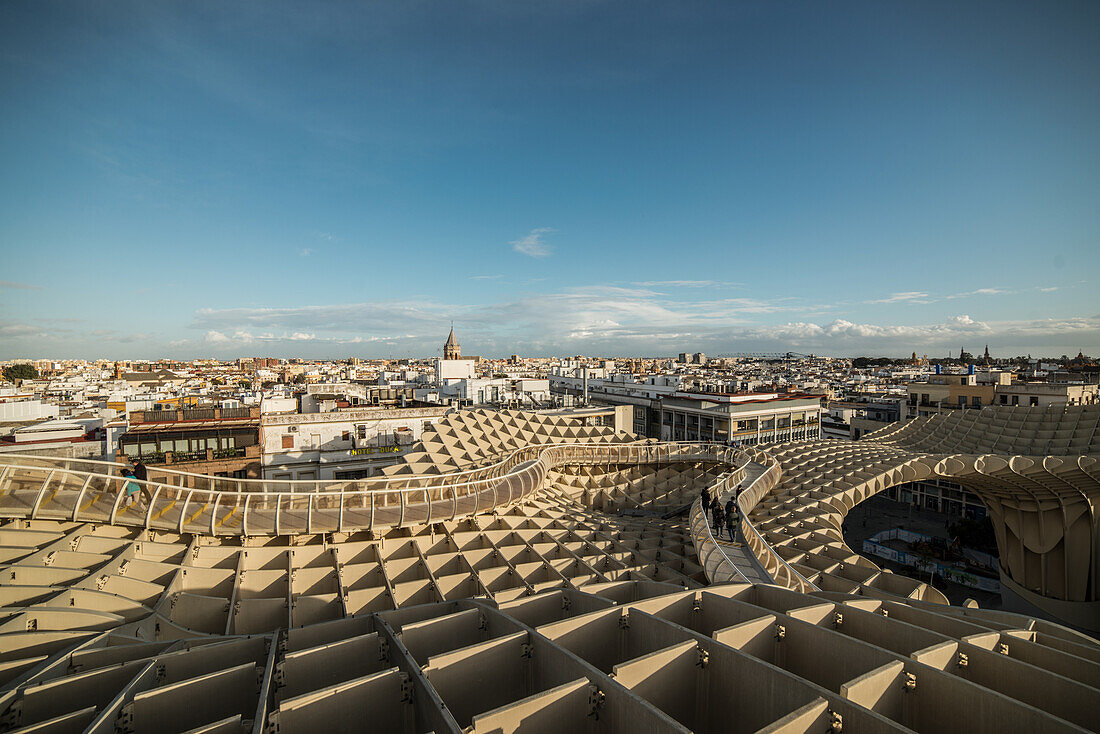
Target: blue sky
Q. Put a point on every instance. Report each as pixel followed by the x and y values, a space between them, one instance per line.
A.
pixel 603 178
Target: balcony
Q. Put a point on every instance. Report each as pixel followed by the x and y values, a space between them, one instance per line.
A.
pixel 194 414
pixel 180 457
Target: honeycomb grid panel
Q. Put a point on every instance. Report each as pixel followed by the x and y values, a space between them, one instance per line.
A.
pixel 582 606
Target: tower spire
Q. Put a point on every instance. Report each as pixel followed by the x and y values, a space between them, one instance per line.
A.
pixel 451 349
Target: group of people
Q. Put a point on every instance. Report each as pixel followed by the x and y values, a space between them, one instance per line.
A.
pixel 722 516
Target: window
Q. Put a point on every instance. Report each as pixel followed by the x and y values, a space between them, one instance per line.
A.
pixel 1004 400
pixel 288 442
pixel 1034 402
pixel 345 436
pixel 1015 399
pixel 976 401
pixel 361 432
pixel 962 401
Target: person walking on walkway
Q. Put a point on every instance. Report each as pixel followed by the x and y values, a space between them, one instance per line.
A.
pixel 130 486
pixel 141 473
pixel 706 498
pixel 716 512
pixel 731 518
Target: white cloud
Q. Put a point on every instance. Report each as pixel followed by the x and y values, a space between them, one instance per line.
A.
pixel 20 330
pixel 913 296
pixel 305 251
pixel 684 284
pixel 616 320
pixel 982 292
pixel 19 286
pixel 533 244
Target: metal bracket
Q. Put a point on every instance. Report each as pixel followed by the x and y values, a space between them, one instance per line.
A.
pixel 383 650
pixel 482 622
pixel 838 619
pixel 703 658
pixel 596 699
pixel 566 603
pixel 406 689
pixel 836 721
pixel 125 721
pixel 962 660
pixel 1003 648
pixel 13 716
pixel 624 622
pixel 780 632
pixel 280 675
pixel 910 681
pixel 526 650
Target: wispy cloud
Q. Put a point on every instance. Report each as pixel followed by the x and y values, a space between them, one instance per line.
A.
pixel 305 251
pixel 684 284
pixel 910 296
pixel 615 320
pixel 486 277
pixel 19 286
pixel 1049 290
pixel 595 320
pixel 21 330
pixel 981 292
pixel 924 298
pixel 533 244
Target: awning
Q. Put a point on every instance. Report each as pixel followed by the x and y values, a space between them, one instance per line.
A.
pixel 194 425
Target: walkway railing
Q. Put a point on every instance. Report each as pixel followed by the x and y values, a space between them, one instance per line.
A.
pixel 93 491
pixel 777 567
pixel 718 566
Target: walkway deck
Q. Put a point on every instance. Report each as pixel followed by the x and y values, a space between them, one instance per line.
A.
pixel 739 553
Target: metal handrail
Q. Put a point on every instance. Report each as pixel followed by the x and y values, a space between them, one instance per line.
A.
pixel 761 548
pixel 330 507
pixel 699 517
pixel 511 479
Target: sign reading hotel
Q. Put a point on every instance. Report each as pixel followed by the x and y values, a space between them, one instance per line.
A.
pixel 368 450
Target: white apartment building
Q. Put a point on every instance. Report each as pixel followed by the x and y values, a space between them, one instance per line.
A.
pixel 450 370
pixel 344 444
pixel 518 393
pixel 749 419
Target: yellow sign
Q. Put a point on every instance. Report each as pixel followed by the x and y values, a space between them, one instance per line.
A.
pixel 375 450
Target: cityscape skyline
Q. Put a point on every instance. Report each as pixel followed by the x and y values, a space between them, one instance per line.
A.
pixel 329 182
pixel 517 366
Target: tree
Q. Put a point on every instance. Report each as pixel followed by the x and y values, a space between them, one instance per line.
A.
pixel 15 372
